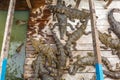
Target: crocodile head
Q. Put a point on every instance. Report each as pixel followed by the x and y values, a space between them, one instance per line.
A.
pixel 86 14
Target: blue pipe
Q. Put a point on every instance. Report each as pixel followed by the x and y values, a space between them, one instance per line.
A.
pixel 3 69
pixel 99 72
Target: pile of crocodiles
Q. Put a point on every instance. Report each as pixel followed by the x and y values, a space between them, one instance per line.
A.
pixel 52 62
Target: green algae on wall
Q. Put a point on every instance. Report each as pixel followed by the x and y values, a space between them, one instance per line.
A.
pixel 18 36
pixel 2 25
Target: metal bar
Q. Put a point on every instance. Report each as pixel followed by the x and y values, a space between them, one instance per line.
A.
pixel 99 71
pixel 29 4
pixel 6 39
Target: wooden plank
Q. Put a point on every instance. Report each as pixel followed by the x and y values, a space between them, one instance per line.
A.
pixel 99 4
pixel 94 32
pixel 99 71
pixel 6 38
pixel 29 4
pixel 84 44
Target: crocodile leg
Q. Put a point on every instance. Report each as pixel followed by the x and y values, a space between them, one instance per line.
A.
pixel 71 19
pixel 73 70
pixel 82 68
pixel 68 24
pixel 56 24
pixel 67 33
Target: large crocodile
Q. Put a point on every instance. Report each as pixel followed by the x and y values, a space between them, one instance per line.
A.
pixel 61 56
pixel 62 20
pixel 72 38
pixel 114 25
pixel 89 60
pixel 71 13
pixel 109 42
pixel 40 72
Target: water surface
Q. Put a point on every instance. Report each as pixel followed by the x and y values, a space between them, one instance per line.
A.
pixel 18 36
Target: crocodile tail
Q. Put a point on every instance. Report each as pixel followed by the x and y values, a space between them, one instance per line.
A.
pixel 107 63
pixel 112 74
pixel 111 18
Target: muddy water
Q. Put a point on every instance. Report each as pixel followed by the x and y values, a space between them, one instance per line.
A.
pixel 18 36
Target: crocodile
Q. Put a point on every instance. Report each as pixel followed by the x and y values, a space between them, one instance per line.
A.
pixel 62 21
pixel 46 49
pixel 38 66
pixel 73 37
pixel 19 47
pixel 114 25
pixel 109 42
pixel 21 22
pixel 61 55
pixel 108 3
pixel 89 60
pixel 114 75
pixel 71 13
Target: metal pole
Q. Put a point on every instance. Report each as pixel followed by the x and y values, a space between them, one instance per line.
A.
pixel 6 39
pixel 96 46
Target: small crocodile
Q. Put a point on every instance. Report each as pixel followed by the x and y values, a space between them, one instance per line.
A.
pixel 89 60
pixel 21 22
pixel 72 38
pixel 108 3
pixel 62 21
pixel 19 47
pixel 71 13
pixel 114 75
pixel 114 25
pixel 109 42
